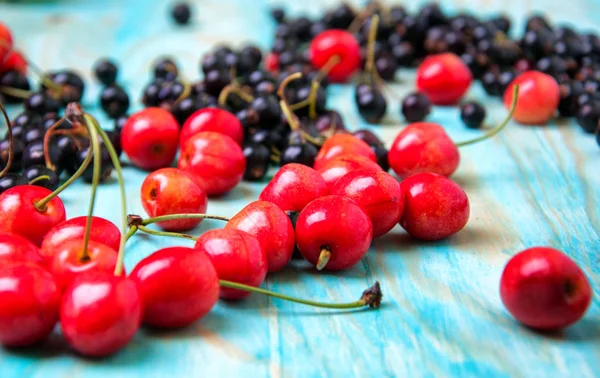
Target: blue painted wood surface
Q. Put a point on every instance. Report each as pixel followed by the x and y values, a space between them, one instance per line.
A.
pixel 441 315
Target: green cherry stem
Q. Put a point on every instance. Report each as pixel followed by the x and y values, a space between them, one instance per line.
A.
pixel 38 179
pixel 370 297
pixel 149 231
pixel 133 219
pixel 11 151
pixel 370 63
pixel 130 233
pixel 16 92
pixel 500 126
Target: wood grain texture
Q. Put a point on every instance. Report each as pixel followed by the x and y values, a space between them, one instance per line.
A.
pixel 441 316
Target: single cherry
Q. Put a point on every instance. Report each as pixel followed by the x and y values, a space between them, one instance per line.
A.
pixel 14 247
pixel 539 95
pixel 6 41
pixel 103 231
pixel 173 191
pixel 377 193
pixel 14 62
pixel 237 256
pixel 150 138
pixel 545 289
pixel 435 206
pixel 216 161
pixel 100 313
pixel 178 286
pixel 21 216
pixel 336 168
pixel 333 233
pixel 212 119
pixel 343 144
pixel 293 187
pixel 444 78
pixel 29 304
pixel 339 47
pixel 272 62
pixel 271 227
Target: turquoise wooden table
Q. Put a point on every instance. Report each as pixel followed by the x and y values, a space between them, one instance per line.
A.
pixel 441 316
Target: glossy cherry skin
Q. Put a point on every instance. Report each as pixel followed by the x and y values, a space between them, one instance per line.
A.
pixel 14 62
pixel 271 227
pixel 377 193
pixel 539 95
pixel 336 168
pixel 6 41
pixel 29 304
pixel 444 78
pixel 173 191
pixel 66 263
pixel 212 119
pixel 178 285
pixel 272 62
pixel 343 144
pixel 100 313
pixel 216 161
pixel 335 223
pixel 150 138
pixel 340 43
pixel 14 247
pixel 423 147
pixel 435 206
pixel 293 187
pixel 237 256
pixel 103 231
pixel 20 216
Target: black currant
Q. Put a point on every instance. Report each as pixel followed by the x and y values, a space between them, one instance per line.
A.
pixel 114 101
pixel 472 114
pixel 215 81
pixel 372 106
pixel 258 158
pixel 10 180
pixel 368 137
pixel 17 80
pixel 18 148
pixel 40 175
pixel 382 157
pixel 181 13
pixel 166 69
pixel 415 107
pixel 105 71
pixel 300 153
pixel 588 116
pixel 268 111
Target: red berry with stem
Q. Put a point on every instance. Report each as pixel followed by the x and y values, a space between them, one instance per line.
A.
pixel 338 167
pixel 21 215
pixel 14 247
pixel 29 304
pixel 102 231
pixel 377 193
pixel 237 256
pixel 14 62
pixel 293 187
pixel 545 289
pixel 6 41
pixel 178 285
pixel 444 78
pixel 333 233
pixel 343 144
pixel 216 161
pixel 271 227
pixel 150 138
pixel 337 49
pixel 100 313
pixel 173 191
pixel 212 119
pixel 435 206
pixel 539 95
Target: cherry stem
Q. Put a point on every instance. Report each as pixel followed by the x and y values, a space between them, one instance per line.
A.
pixel 312 100
pixel 324 257
pixel 130 233
pixel 187 89
pixel 11 151
pixel 38 179
pixel 357 22
pixel 369 65
pixel 233 88
pixel 370 297
pixel 136 220
pixel 498 128
pixel 47 137
pixel 165 233
pixel 16 92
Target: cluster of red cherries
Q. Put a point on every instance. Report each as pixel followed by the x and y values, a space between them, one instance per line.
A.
pixel 329 199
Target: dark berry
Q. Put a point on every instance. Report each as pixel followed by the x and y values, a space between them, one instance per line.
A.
pixel 341 17
pixel 382 157
pixel 278 15
pixel 71 86
pixel 105 71
pixel 328 121
pixel 386 67
pixel 268 111
pixel 50 119
pixel 490 84
pixel 569 93
pixel 303 94
pixel 404 53
pixel 17 80
pixel 115 139
pixel 10 180
pixel 259 76
pixel 105 164
pixel 372 106
pixel 265 88
pixel 150 94
pixel 33 154
pixel 504 79
pixel 301 153
pixel 477 62
pixel 502 23
pixel 26 119
pixel 588 116
pixel 166 69
pixel 368 137
pixel 537 22
pixel 40 175
pixel 114 101
pixel 18 148
pixel 258 158
pixel 552 66
pixel 538 44
pixel 215 81
pixel 181 13
pixel 120 122
pixel 183 109
pixel 415 107
pixel 36 103
pixel 472 114
pixel 32 134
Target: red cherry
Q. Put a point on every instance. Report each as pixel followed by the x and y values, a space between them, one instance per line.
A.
pixel 216 160
pixel 103 231
pixel 336 43
pixel 178 286
pixel 173 191
pixel 67 263
pixel 444 78
pixel 293 187
pixel 545 289
pixel 100 313
pixel 271 227
pixel 343 144
pixel 423 147
pixel 6 41
pixel 16 248
pixel 29 303
pixel 332 232
pixel 150 138
pixel 14 62
pixel 539 95
pixel 272 62
pixel 377 193
pixel 336 168
pixel 20 216
pixel 212 119
pixel 237 256
pixel 435 206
